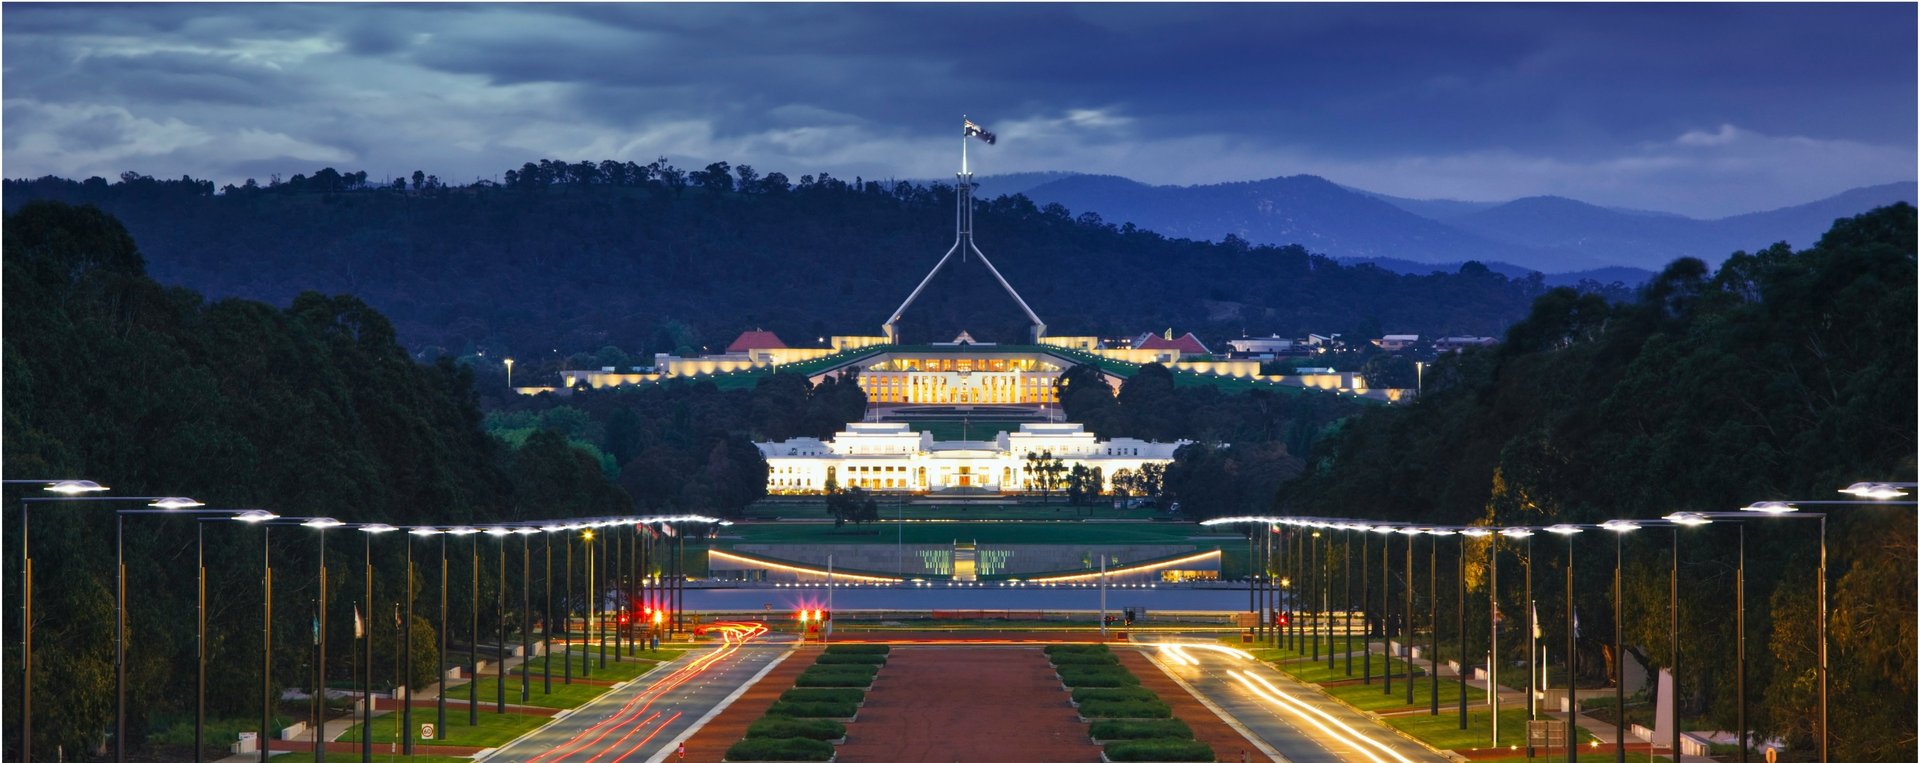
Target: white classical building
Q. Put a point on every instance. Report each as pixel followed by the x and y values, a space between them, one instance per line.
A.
pixel 891 457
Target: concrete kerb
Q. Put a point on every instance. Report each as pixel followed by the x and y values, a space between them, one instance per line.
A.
pixel 555 718
pixel 674 743
pixel 1377 719
pixel 1225 717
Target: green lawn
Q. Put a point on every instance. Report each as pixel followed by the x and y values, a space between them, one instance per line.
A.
pixel 563 696
pixel 1370 696
pixel 495 729
pixel 1443 731
pixel 628 668
pixel 1317 672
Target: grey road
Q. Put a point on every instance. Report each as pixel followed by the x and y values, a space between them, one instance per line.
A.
pixel 641 721
pixel 1299 724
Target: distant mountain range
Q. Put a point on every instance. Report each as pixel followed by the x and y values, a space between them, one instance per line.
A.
pixel 1567 239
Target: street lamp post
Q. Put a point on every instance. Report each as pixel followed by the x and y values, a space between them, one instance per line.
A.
pixel 70 488
pixel 1311 575
pixel 366 696
pixel 526 613
pixel 1386 607
pixel 1346 592
pixel 1433 619
pixel 1573 700
pixel 509 362
pixel 500 623
pixel 1406 628
pixel 406 712
pixel 1366 609
pixel 546 630
pixel 1493 686
pixel 1620 528
pixel 317 715
pixel 473 627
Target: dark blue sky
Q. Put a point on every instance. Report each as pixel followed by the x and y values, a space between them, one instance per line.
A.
pixel 1700 109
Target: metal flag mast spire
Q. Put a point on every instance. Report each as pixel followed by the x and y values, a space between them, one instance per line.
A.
pixel 963 243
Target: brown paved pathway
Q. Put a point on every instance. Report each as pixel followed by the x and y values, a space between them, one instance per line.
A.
pixel 1227 744
pixel 961 705
pixel 710 743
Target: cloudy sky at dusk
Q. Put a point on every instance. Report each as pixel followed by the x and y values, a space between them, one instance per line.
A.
pixel 1700 109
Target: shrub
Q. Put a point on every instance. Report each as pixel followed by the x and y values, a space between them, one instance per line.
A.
pixel 1085 658
pixel 858 649
pixel 776 727
pixel 1159 749
pixel 812 709
pixel 851 659
pixel 1075 649
pixel 791 748
pixel 848 680
pixel 1125 693
pixel 851 696
pixel 1096 675
pixel 1099 708
pixel 1107 731
pixel 864 670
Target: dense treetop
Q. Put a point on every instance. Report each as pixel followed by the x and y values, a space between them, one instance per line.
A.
pixel 651 258
pixel 1783 375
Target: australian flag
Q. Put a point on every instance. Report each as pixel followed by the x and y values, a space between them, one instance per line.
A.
pixel 972 130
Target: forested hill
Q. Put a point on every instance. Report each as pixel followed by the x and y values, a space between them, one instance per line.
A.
pixel 1784 375
pixel 652 258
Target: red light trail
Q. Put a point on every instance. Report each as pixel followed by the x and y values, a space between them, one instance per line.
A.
pixel 632 716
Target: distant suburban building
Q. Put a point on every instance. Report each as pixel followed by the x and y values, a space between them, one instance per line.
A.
pixel 1396 342
pixel 1186 345
pixel 1257 346
pixel 1458 343
pixel 891 457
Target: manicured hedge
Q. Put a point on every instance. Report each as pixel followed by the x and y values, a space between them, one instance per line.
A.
pixel 858 649
pixel 1159 750
pixel 1085 658
pixel 1076 649
pixel 1098 708
pixel 851 659
pixel 792 748
pixel 851 696
pixel 813 709
pixel 809 728
pixel 1091 675
pixel 1125 693
pixel 847 680
pixel 1107 731
pixel 820 670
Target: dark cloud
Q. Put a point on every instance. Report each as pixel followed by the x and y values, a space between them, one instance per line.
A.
pixel 1497 100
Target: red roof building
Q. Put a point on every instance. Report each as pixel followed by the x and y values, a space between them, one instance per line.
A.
pixel 756 340
pixel 1187 344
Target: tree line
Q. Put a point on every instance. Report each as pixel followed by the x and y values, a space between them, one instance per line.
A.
pixel 571 257
pixel 312 409
pixel 1783 375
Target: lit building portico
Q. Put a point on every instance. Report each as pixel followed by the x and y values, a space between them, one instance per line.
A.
pixel 891 457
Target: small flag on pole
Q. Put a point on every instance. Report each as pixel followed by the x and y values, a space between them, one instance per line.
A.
pixel 972 130
pixel 359 626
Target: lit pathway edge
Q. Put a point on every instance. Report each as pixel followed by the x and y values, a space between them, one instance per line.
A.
pixel 691 686
pixel 674 743
pixel 1302 726
pixel 1153 656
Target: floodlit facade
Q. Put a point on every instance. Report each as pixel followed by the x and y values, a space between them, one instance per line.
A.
pixel 891 457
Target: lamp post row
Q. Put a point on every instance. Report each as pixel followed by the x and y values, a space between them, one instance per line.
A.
pixel 85 491
pixel 1879 493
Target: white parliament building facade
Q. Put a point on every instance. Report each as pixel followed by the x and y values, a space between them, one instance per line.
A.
pixel 891 457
